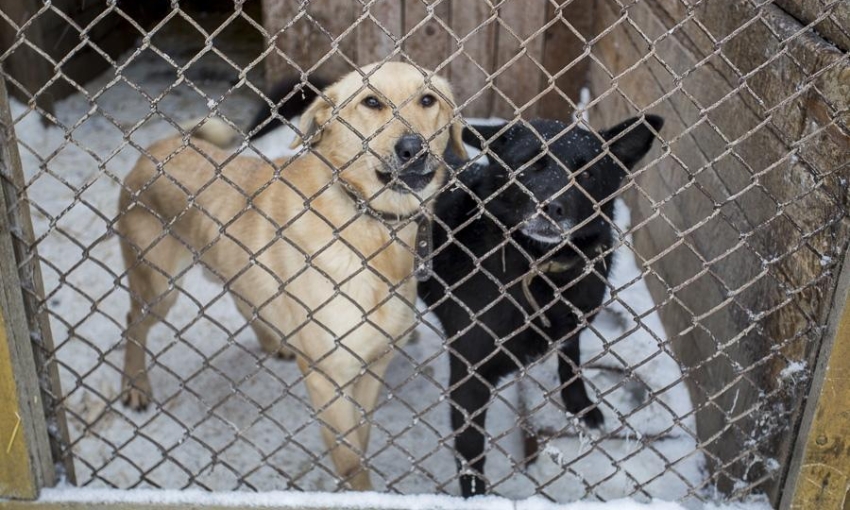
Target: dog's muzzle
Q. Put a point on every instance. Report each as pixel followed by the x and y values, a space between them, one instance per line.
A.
pixel 413 169
pixel 545 231
pixel 411 153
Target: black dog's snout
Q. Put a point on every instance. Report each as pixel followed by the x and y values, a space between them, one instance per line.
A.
pixel 556 211
pixel 409 147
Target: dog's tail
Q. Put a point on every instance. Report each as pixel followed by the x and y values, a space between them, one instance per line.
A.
pixel 211 129
pixel 291 96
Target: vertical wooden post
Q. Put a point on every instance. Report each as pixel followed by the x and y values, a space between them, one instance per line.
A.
pixel 519 78
pixel 819 474
pixel 26 461
pixel 18 477
pixel 301 33
pixel 373 44
pixel 470 72
pixel 564 47
pixel 430 44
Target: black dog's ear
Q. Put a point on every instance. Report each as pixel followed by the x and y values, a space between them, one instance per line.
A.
pixel 292 107
pixel 478 135
pixel 632 139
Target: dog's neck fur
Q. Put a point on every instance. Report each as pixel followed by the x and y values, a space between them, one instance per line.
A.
pixel 363 205
pixel 424 242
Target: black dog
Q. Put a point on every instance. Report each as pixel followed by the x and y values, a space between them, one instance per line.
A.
pixel 522 249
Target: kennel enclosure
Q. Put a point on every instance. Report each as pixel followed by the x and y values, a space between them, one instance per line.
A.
pixel 738 228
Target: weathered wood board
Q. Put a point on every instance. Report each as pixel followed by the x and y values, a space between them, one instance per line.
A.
pixel 26 461
pixel 830 19
pixel 494 54
pixel 742 224
pixel 820 474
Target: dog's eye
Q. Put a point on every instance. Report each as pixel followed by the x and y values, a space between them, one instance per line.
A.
pixel 372 102
pixel 427 100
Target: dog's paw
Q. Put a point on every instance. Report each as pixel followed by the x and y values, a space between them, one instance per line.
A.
pixel 472 485
pixel 593 418
pixel 285 353
pixel 360 482
pixel 413 337
pixel 272 345
pixel 136 392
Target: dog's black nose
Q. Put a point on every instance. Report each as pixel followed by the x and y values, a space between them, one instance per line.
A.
pixel 556 211
pixel 408 147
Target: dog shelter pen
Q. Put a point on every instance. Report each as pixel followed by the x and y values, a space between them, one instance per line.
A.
pixel 738 230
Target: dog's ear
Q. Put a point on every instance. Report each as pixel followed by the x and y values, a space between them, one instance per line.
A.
pixel 316 115
pixel 456 129
pixel 631 140
pixel 479 135
pixel 456 132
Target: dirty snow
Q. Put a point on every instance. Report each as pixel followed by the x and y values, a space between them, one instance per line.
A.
pixel 228 417
pixel 794 369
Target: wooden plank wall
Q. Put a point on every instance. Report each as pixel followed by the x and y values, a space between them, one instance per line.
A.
pixel 741 226
pixel 495 54
pixel 830 19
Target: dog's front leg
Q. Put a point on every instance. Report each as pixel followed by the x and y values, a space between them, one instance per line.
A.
pixel 341 424
pixel 366 393
pixel 470 395
pixel 574 392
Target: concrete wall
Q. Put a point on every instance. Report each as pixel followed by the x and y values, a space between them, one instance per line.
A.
pixel 742 221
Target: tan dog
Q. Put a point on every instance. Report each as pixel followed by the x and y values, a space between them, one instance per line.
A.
pixel 304 264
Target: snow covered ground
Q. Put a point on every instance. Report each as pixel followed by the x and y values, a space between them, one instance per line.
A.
pixel 227 417
pixel 372 501
pixel 648 414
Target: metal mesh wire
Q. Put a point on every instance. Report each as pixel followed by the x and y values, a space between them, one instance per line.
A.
pixel 227 415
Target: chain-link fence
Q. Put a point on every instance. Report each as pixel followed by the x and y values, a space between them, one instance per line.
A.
pixel 693 332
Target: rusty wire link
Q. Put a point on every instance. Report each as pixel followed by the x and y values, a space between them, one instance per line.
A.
pixel 232 414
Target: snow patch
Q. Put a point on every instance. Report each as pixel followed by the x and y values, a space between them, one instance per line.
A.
pixel 793 368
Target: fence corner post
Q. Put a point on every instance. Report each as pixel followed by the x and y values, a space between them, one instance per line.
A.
pixel 26 462
pixel 819 474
